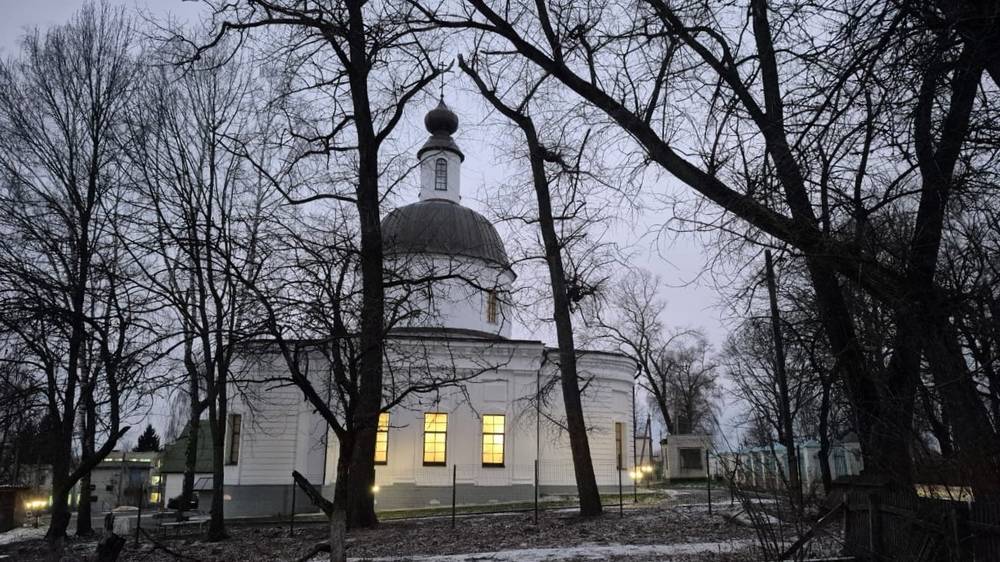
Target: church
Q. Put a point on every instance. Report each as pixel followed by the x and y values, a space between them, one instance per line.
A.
pixel 491 424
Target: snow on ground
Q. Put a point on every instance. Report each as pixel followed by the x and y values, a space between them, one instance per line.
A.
pixel 21 534
pixel 581 552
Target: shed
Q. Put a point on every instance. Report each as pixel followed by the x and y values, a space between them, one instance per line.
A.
pixel 12 506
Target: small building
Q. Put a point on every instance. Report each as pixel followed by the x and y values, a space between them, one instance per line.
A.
pixel 14 503
pixel 123 478
pixel 169 477
pixel 684 456
pixel 36 480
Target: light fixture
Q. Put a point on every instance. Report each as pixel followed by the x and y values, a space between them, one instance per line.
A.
pixel 375 489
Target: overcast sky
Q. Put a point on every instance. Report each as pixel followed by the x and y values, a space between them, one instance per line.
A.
pixel 677 260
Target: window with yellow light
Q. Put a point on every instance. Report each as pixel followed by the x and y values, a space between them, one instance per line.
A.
pixel 493 428
pixel 382 439
pixel 435 438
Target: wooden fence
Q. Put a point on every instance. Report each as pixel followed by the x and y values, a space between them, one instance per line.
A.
pixel 908 527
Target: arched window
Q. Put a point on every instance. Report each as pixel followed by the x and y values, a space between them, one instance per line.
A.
pixel 441 175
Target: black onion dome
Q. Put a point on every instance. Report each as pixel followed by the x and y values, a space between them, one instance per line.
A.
pixel 441 120
pixel 439 226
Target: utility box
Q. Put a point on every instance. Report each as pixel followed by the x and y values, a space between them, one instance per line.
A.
pixel 684 456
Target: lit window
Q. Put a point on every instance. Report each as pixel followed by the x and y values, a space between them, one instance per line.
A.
pixel 619 445
pixel 441 175
pixel 382 439
pixel 235 421
pixel 492 307
pixel 493 440
pixel 435 438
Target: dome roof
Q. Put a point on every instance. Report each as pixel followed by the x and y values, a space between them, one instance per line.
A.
pixel 441 123
pixel 441 120
pixel 438 226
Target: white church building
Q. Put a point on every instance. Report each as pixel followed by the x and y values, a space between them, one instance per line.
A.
pixel 487 432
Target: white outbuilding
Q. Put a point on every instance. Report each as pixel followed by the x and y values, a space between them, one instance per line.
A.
pixel 487 432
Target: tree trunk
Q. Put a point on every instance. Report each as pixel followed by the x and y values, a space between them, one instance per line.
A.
pixel 786 435
pixel 361 475
pixel 824 436
pixel 583 468
pixel 938 427
pixel 194 428
pixel 346 448
pixel 190 466
pixel 338 536
pixel 84 526
pixel 976 442
pixel 217 422
pixel 60 514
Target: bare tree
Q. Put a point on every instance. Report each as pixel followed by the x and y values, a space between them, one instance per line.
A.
pixel 674 367
pixel 556 175
pixel 369 65
pixel 67 296
pixel 771 112
pixel 206 222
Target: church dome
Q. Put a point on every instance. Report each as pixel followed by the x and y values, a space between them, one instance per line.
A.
pixel 441 123
pixel 438 226
pixel 441 120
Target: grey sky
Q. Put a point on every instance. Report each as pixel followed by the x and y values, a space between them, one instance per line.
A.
pixel 676 260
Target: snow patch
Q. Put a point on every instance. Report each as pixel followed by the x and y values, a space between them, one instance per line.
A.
pixel 585 551
pixel 21 534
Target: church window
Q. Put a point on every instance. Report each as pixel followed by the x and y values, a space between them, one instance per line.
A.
pixel 619 445
pixel 435 438
pixel 492 307
pixel 441 175
pixel 382 439
pixel 235 423
pixel 493 427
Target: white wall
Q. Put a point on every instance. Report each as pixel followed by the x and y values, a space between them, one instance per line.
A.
pixel 606 401
pixel 281 432
pixel 427 174
pixel 458 300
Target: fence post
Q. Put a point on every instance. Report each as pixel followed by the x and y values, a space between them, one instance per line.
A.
pixel 635 484
pixel 138 519
pixel 874 541
pixel 291 520
pixel 708 480
pixel 536 492
pixel 454 478
pixel 621 508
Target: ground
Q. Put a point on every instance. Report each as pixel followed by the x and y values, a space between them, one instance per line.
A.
pixel 671 525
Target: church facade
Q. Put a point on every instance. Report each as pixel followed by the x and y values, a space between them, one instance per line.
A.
pixel 493 429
